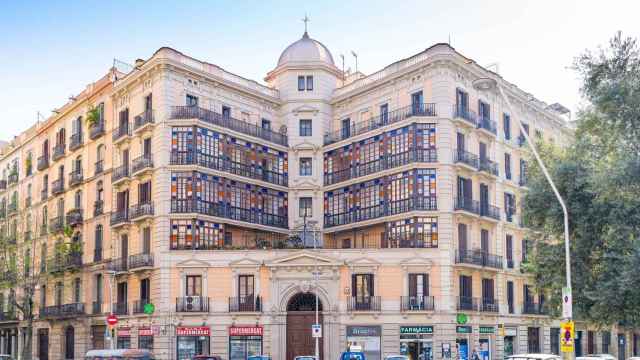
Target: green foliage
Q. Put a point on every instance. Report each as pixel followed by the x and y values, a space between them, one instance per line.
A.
pixel 93 115
pixel 599 178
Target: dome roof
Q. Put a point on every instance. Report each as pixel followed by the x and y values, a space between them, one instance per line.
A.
pixel 306 50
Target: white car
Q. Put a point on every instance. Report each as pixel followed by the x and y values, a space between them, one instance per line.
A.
pixel 534 357
pixel 305 357
pixel 396 357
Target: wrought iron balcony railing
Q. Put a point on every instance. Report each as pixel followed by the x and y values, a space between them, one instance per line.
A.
pixel 489 211
pixel 413 203
pixel 12 208
pixel 488 166
pixel 120 308
pixel 96 308
pixel 74 217
pixel 99 167
pixel 427 109
pixel 194 112
pixel 12 179
pixel 228 211
pixel 66 262
pixel 64 310
pixel 417 303
pixel 466 303
pixel 121 132
pixel 245 304
pixel 97 130
pixel 138 306
pixel 98 207
pixel 44 194
pixel 56 224
pixel 363 303
pixel 140 261
pixel 75 142
pixel 489 305
pixel 488 125
pixel 465 157
pixel 3 185
pixel 120 173
pixel 58 151
pixel 143 119
pixel 141 210
pixel 465 114
pixel 118 265
pixel 43 162
pixel 140 163
pixel 192 304
pixel 480 258
pixel 75 178
pixel 533 308
pixel 385 162
pixel 120 216
pixel 57 187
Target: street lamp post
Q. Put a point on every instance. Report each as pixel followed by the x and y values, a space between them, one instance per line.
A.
pixel 484 84
pixel 315 275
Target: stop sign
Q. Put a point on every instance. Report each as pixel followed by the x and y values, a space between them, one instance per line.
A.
pixel 112 319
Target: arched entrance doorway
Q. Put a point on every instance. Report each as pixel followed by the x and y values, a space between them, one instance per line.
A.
pixel 300 316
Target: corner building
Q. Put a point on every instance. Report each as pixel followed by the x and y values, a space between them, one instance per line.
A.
pixel 410 179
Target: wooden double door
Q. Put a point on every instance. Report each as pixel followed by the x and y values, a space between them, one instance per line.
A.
pixel 299 339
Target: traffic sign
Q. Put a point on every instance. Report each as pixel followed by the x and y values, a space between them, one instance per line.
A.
pixel 567 310
pixel 112 319
pixel 566 336
pixel 316 330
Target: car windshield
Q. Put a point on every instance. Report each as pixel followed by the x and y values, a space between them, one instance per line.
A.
pixel 396 358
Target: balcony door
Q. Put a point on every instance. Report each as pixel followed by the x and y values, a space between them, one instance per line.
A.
pixel 466 292
pixel 121 293
pixel 484 198
pixel 462 101
pixel 483 152
pixel 124 249
pixel 148 103
pixel 510 297
pixel 346 128
pixel 417 100
pixel 484 241
pixel 246 288
pixel 146 148
pixel 362 288
pixel 122 200
pixel 193 285
pixel 460 142
pixel 465 192
pixel 125 157
pixel 487 292
pixel 418 290
pixel 145 291
pixel 462 238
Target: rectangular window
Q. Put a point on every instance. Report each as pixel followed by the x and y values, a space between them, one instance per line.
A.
pixel 145 342
pixel 192 100
pixel 193 285
pixel 146 240
pixel 509 206
pixel 305 127
pixel 591 349
pixel 266 124
pixel 555 341
pixel 524 250
pixel 245 286
pixel 362 287
pixel 384 113
pixel 309 83
pixel 484 240
pixel 306 208
pixel 484 111
pixel 462 102
pixel 506 126
pixel 346 128
pixel 301 83
pixel 509 251
pixel 487 292
pixel 305 166
pixel 144 193
pixel 226 112
pixel 510 296
pixel 507 166
pixel 606 341
pixel 462 237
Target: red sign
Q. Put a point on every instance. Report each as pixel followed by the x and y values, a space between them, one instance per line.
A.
pixel 245 331
pixel 145 331
pixel 112 319
pixel 192 331
pixel 124 332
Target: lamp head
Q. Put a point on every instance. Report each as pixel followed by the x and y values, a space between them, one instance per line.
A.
pixel 484 84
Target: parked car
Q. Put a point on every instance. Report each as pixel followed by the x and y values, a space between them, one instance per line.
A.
pixel 352 355
pixel 6 357
pixel 534 357
pixel 259 357
pixel 125 354
pixel 603 356
pixel 396 357
pixel 206 357
pixel 305 357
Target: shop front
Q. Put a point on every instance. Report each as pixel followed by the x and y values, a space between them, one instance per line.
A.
pixel 123 335
pixel 463 341
pixel 191 341
pixel 486 342
pixel 366 338
pixel 145 338
pixel 245 341
pixel 510 334
pixel 416 342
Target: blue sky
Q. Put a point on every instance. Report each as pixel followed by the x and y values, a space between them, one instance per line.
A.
pixel 51 50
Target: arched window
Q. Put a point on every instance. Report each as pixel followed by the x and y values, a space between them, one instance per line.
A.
pixel 77 199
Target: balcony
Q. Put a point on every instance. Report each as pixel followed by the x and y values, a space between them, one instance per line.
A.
pixel 96 308
pixel 363 303
pixel 44 194
pixel 97 254
pixel 141 164
pixel 8 316
pixel 488 166
pixel 75 141
pixel 489 305
pixel 120 217
pixel 468 116
pixel 211 117
pixel 74 217
pixel 380 121
pixel 58 152
pixel 532 308
pixel 61 263
pixel 487 125
pixel 97 130
pixel 141 211
pixel 99 167
pixel 467 204
pixel 75 178
pixel 120 174
pixel 417 303
pixel 12 179
pixel 120 308
pixel 466 158
pixel 245 304
pixel 414 203
pixel 62 311
pixel 143 121
pixel 118 265
pixel 489 211
pixel 57 187
pixel 3 185
pixel 12 208
pixel 479 258
pixel 140 261
pixel 384 163
pixel 229 212
pixel 522 181
pixel 138 306
pixel 43 162
pixel 254 172
pixel 466 303
pixel 120 133
pixel 98 207
pixel 56 224
pixel 192 304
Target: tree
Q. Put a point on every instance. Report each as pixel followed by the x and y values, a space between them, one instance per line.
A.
pixel 599 177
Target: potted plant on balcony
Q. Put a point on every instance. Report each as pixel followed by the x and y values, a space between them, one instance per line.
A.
pixel 93 116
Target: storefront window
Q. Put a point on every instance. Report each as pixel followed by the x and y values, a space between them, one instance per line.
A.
pixel 244 341
pixel 192 341
pixel 124 338
pixel 145 338
pixel 416 342
pixel 367 338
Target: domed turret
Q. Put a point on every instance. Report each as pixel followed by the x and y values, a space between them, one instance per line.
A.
pixel 306 51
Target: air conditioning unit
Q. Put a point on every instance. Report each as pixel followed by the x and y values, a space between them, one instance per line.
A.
pixel 193 302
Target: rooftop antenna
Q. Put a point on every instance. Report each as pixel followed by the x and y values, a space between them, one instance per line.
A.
pixel 39 116
pixel 355 56
pixel 305 20
pixel 449 42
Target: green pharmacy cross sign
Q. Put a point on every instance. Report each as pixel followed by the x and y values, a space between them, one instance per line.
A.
pixel 149 308
pixel 461 319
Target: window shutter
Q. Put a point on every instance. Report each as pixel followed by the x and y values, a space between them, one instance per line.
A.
pixel 413 285
pixel 425 284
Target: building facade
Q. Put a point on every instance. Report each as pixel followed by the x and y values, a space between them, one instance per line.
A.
pixel 192 200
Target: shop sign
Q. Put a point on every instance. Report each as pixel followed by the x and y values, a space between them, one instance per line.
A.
pixel 145 331
pixel 245 331
pixel 463 329
pixel 363 330
pixel 461 319
pixel 192 331
pixel 416 329
pixel 487 329
pixel 510 332
pixel 123 332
